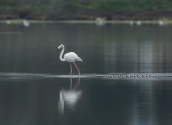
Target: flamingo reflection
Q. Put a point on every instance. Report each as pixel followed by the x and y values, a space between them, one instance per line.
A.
pixel 69 98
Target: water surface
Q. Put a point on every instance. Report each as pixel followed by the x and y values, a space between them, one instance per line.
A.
pixel 36 87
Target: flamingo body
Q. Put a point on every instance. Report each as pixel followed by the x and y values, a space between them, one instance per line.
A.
pixel 71 57
pixel 26 23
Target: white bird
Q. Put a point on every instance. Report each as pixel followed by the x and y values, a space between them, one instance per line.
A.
pixel 131 23
pixel 26 23
pixel 8 22
pixel 100 21
pixel 138 23
pixel 69 57
pixel 161 22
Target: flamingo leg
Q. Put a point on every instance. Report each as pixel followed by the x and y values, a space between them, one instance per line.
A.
pixel 70 69
pixel 70 76
pixel 77 68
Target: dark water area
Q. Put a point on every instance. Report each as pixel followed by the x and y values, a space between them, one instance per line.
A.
pixel 36 87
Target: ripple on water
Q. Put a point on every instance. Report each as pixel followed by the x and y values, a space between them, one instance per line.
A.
pixel 30 76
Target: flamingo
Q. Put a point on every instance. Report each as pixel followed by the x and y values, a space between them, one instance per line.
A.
pixel 161 22
pixel 26 23
pixel 138 23
pixel 69 57
pixel 8 22
pixel 131 23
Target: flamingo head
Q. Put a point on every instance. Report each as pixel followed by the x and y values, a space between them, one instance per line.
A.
pixel 61 46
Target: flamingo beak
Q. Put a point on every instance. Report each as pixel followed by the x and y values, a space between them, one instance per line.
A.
pixel 58 49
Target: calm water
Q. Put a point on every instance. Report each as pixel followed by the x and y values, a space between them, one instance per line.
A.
pixel 36 88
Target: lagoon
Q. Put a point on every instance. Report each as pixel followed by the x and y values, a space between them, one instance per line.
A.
pixel 36 87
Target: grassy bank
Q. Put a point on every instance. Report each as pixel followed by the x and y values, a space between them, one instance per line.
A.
pixel 122 5
pixel 132 5
pixel 86 9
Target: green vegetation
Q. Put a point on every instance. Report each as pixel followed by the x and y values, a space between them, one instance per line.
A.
pixel 130 5
pixel 123 5
pixel 24 4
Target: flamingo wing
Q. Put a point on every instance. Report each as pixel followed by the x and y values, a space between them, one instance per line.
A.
pixel 72 57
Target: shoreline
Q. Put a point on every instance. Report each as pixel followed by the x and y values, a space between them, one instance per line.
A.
pixel 90 21
pixel 86 15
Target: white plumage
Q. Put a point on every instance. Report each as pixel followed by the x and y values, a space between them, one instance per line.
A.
pixel 72 57
pixel 69 57
pixel 26 23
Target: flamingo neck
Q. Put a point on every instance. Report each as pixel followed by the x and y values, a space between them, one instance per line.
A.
pixel 62 59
